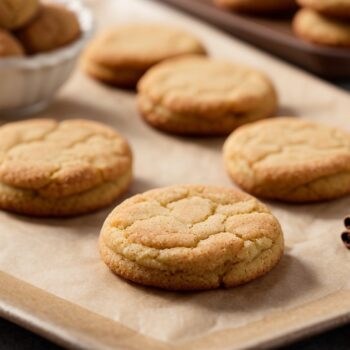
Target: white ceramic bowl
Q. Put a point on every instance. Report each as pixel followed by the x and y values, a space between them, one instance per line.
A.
pixel 28 84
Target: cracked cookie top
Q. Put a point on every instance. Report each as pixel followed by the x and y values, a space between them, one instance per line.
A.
pixel 289 158
pixel 190 228
pixel 206 87
pixel 58 159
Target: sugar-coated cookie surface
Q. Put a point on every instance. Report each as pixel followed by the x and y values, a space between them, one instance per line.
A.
pixel 338 8
pixel 290 159
pixel 54 26
pixel 16 13
pixel 317 28
pixel 191 237
pixel 9 45
pixel 50 168
pixel 258 6
pixel 121 55
pixel 202 96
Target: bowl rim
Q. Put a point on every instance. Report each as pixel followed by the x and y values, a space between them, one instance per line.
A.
pixel 51 58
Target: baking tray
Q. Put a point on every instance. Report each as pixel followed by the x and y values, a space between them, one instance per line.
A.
pixel 74 327
pixel 54 283
pixel 274 35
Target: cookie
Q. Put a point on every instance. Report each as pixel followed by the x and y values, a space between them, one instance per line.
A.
pixel 54 26
pixel 290 159
pixel 16 13
pixel 319 29
pixel 201 96
pixel 337 8
pixel 9 45
pixel 50 168
pixel 191 237
pixel 121 55
pixel 126 78
pixel 260 6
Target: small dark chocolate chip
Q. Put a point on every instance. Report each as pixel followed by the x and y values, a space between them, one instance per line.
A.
pixel 347 222
pixel 345 236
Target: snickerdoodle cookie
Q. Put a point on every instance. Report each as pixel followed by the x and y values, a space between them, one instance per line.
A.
pixel 53 27
pixel 290 159
pixel 257 6
pixel 314 27
pixel 202 96
pixel 191 237
pixel 16 13
pixel 9 45
pixel 337 8
pixel 121 55
pixel 50 168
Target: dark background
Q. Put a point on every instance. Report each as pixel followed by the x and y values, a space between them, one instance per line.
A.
pixel 13 337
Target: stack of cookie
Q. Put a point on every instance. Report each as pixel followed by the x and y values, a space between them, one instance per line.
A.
pixel 30 27
pixel 324 22
pixel 180 90
pixel 121 55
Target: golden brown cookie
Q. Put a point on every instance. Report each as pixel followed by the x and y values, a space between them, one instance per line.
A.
pixel 9 45
pixel 122 55
pixel 257 6
pixel 50 168
pixel 126 78
pixel 319 29
pixel 16 13
pixel 191 237
pixel 290 159
pixel 337 8
pixel 54 26
pixel 201 96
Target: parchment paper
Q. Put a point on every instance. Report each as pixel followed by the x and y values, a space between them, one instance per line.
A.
pixel 61 256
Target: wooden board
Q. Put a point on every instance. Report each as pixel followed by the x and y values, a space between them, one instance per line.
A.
pixel 274 35
pixel 74 327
